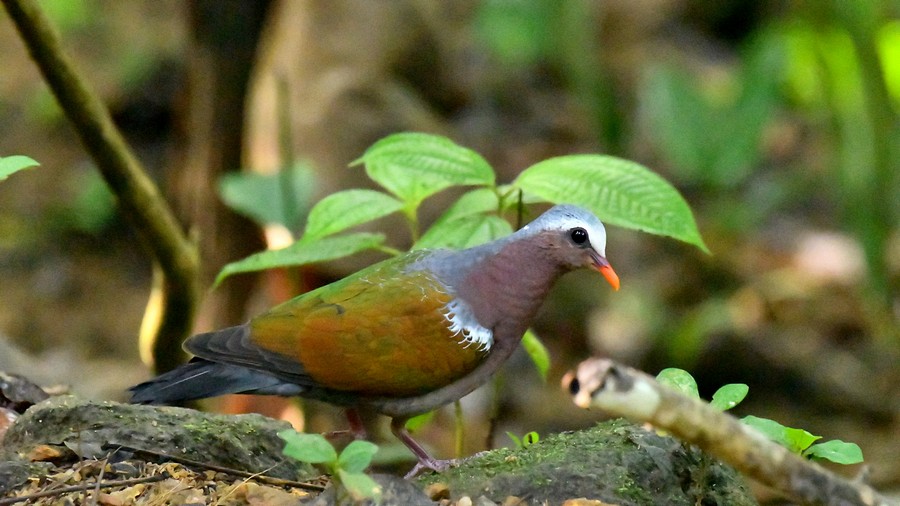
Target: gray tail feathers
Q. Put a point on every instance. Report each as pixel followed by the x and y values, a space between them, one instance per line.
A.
pixel 201 378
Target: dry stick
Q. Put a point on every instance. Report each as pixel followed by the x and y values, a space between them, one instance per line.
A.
pixel 227 470
pixel 84 487
pixel 627 392
pixel 176 282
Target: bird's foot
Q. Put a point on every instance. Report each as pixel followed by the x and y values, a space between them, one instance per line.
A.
pixel 433 465
pixel 439 466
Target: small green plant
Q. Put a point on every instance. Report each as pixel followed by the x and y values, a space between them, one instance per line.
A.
pixel 526 440
pixel 346 469
pixel 798 441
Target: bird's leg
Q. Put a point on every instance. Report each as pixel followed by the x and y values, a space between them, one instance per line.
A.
pixel 426 461
pixel 357 429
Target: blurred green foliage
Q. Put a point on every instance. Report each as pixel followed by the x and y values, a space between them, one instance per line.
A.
pixel 281 198
pixel 798 109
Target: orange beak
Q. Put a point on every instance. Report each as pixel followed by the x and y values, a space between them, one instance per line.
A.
pixel 602 266
pixel 611 277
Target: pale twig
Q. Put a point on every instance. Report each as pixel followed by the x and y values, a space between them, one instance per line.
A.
pixel 623 391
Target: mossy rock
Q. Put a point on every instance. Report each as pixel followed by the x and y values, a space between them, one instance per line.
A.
pixel 243 442
pixel 615 462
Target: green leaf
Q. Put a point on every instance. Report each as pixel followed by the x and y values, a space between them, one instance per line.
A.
pixel 729 396
pixel 342 210
pixel 530 439
pixel 417 422
pixel 526 440
pixel 537 352
pixel 619 191
pixel 798 440
pixel 795 440
pixel 263 197
pixel 472 203
pixel 311 448
pixel 11 164
pixel 680 380
pixel 414 166
pixel 360 486
pixel 477 201
pixel 836 451
pixel 465 232
pixel 770 428
pixel 304 252
pixel 355 458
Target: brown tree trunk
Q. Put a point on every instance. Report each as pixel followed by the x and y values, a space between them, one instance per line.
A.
pixel 221 52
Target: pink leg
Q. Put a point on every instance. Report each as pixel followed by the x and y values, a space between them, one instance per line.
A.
pixel 426 461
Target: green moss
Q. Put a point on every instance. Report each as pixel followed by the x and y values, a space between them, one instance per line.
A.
pixel 615 461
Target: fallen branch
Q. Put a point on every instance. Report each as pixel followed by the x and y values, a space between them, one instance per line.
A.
pixel 176 282
pixel 212 467
pixel 626 392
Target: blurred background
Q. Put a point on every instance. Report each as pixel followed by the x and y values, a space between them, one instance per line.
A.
pixel 777 120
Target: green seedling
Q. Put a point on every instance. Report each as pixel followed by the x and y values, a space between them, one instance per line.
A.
pixel 526 440
pixel 346 469
pixel 798 441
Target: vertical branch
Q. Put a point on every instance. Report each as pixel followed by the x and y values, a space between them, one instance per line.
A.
pixel 172 306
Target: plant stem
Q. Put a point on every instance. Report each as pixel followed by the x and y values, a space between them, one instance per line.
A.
pixel 460 429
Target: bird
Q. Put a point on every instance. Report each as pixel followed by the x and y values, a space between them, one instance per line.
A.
pixel 403 336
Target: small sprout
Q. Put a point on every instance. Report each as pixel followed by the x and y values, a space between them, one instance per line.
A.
pixel 346 468
pixel 526 440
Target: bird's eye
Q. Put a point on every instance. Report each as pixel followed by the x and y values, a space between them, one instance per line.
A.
pixel 578 235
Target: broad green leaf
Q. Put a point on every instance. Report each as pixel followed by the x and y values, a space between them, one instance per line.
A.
pixel 680 380
pixel 360 486
pixel 11 164
pixel 304 252
pixel 477 201
pixel 729 396
pixel 836 451
pixel 311 448
pixel 795 440
pixel 268 199
pixel 537 352
pixel 414 166
pixel 512 195
pixel 355 458
pixel 465 232
pixel 619 191
pixel 342 210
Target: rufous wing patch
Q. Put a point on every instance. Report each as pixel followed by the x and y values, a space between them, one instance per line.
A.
pixel 372 335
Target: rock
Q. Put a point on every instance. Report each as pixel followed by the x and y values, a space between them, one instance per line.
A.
pixel 395 491
pixel 15 473
pixel 615 462
pixel 244 442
